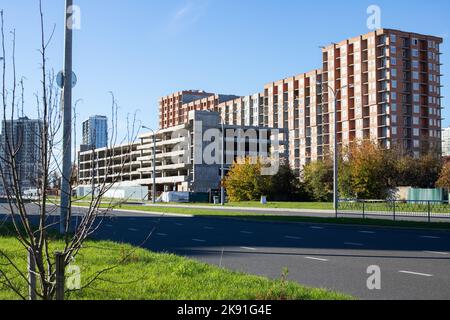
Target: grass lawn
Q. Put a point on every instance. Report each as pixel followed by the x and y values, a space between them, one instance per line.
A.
pixel 150 276
pixel 270 205
pixel 284 218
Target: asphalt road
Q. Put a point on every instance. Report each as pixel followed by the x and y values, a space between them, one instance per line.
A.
pixel 415 264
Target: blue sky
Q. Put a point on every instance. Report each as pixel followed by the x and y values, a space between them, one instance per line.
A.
pixel 144 49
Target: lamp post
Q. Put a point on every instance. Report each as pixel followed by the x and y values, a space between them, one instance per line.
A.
pixel 336 144
pixel 66 192
pixel 154 164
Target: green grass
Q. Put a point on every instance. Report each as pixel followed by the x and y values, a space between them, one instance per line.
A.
pixel 149 276
pixel 284 218
pixel 269 205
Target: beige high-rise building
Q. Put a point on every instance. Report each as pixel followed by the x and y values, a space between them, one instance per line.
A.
pixel 388 89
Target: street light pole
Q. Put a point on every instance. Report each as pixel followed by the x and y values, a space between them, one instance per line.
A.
pixel 66 192
pixel 222 169
pixel 336 145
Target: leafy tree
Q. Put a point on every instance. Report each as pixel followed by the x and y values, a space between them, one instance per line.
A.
pixel 418 173
pixel 444 177
pixel 369 171
pixel 286 186
pixel 244 182
pixel 318 179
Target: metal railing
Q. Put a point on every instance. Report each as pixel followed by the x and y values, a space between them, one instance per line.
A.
pixel 394 208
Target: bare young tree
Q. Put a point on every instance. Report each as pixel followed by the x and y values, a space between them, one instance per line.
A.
pixel 34 219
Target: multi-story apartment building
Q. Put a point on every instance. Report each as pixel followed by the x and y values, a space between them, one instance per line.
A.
pixel 181 154
pixel 174 109
pixel 23 138
pixel 446 142
pixel 387 88
pixel 95 132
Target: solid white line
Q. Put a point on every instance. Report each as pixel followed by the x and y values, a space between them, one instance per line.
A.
pixel 292 238
pixel 248 248
pixel 246 232
pixel 437 252
pixel 317 228
pixel 430 237
pixel 417 273
pixel 317 259
pixel 132 229
pixel 353 244
pixel 198 240
pixel 367 232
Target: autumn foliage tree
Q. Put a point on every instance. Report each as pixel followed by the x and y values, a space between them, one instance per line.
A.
pixel 444 177
pixel 318 179
pixel 245 182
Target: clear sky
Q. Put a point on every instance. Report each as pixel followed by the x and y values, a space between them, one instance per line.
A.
pixel 144 49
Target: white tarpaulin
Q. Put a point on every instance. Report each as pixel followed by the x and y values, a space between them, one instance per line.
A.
pixel 167 197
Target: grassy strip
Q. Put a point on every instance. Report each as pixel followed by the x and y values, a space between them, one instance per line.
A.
pixel 143 275
pixel 286 218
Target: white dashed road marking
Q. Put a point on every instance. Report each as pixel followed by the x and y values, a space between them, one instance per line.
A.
pixel 317 259
pixel 292 238
pixel 429 237
pixel 161 234
pixel 198 240
pixel 317 228
pixel 208 228
pixel 353 244
pixel 437 252
pixel 248 248
pixel 417 273
pixel 367 232
pixel 246 232
pixel 132 230
pixel 179 224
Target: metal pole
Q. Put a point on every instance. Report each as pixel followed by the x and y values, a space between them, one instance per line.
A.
pixel 67 122
pixel 60 278
pixel 336 160
pixel 222 169
pixel 154 169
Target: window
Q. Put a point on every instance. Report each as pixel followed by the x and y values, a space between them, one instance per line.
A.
pixel 394 61
pixel 394 96
pixel 416 98
pixel 416 108
pixel 415 86
pixel 394 72
pixel 394 107
pixel 394 119
pixel 415 64
pixel 416 132
pixel 394 130
pixel 393 38
pixel 415 53
pixel 393 49
pixel 415 75
pixel 394 84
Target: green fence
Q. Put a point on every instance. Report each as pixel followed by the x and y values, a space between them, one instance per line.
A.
pixel 395 209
